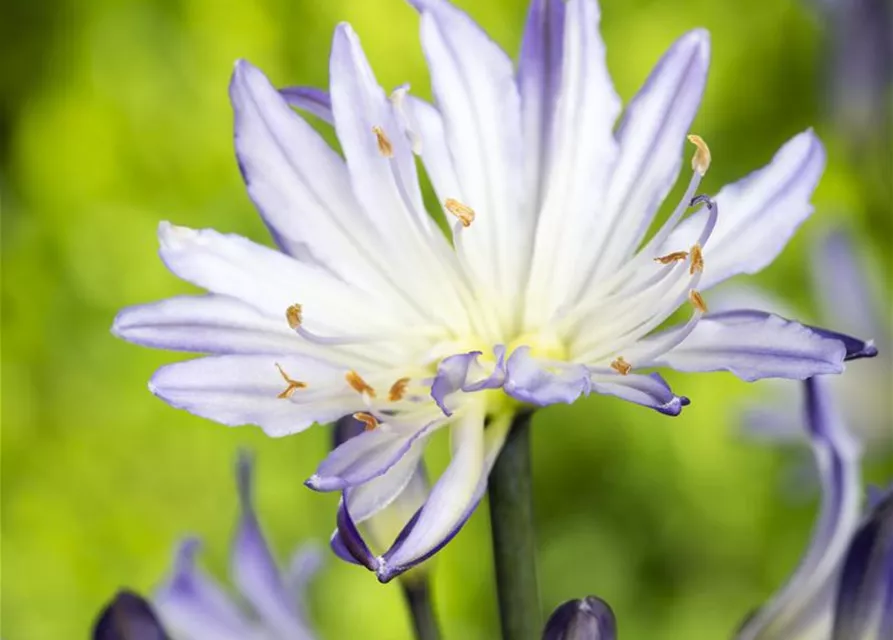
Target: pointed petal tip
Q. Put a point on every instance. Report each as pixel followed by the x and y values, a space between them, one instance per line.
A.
pixel 172 236
pixel 324 484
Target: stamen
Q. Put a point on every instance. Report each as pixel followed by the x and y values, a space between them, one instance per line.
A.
pixel 697 300
pixel 359 385
pixel 461 211
pixel 367 419
pixel 697 260
pixel 294 315
pixel 293 385
pixel 398 389
pixel 384 145
pixel 712 216
pixel 676 256
pixel 700 162
pixel 621 366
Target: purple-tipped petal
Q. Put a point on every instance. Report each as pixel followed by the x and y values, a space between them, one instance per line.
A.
pixel 856 348
pixel 192 606
pixel 206 324
pixel 237 390
pixel 339 548
pixel 530 380
pixel 837 457
pixel 462 372
pixel 759 214
pixel 588 619
pixel 347 540
pixel 310 99
pixel 254 569
pixel 651 138
pixel 752 345
pixel 369 455
pixel 865 588
pixel 647 390
pixel 128 617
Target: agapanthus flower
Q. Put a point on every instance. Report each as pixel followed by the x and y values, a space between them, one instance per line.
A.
pixel 845 299
pixel 192 606
pixel 546 288
pixel 843 586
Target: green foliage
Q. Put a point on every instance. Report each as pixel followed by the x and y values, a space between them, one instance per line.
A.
pixel 115 115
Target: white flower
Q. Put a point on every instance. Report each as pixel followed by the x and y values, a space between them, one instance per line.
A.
pixel 547 289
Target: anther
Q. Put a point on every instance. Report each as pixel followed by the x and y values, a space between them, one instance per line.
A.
pixel 398 389
pixel 384 145
pixel 697 260
pixel 676 256
pixel 359 385
pixel 621 366
pixel 294 315
pixel 461 211
pixel 367 419
pixel 700 162
pixel 697 300
pixel 293 385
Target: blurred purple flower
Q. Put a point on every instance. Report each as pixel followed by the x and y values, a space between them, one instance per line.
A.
pixel 128 617
pixel 588 619
pixel 843 586
pixel 548 289
pixel 193 607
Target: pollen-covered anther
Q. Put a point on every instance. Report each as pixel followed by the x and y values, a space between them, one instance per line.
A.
pixel 621 366
pixel 358 384
pixel 398 389
pixel 384 144
pixel 367 419
pixel 294 315
pixel 461 211
pixel 697 260
pixel 700 162
pixel 697 300
pixel 676 256
pixel 293 385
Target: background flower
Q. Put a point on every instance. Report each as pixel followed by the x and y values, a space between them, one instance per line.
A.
pixel 113 113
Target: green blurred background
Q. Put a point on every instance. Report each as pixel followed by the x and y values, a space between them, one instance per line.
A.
pixel 114 114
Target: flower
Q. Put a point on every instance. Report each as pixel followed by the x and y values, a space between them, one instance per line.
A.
pixel 843 586
pixel 545 291
pixel 128 617
pixel 842 291
pixel 194 607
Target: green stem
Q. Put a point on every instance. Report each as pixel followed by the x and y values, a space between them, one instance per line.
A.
pixel 514 545
pixel 417 593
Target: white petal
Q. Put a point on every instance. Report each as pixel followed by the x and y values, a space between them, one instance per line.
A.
pixel 759 214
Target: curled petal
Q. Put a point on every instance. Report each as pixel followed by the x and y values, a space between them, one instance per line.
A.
pixel 254 569
pixel 588 619
pixel 531 380
pixel 312 100
pixel 752 345
pixel 649 391
pixel 462 372
pixel 837 457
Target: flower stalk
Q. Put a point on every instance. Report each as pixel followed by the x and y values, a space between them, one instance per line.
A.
pixel 514 543
pixel 417 594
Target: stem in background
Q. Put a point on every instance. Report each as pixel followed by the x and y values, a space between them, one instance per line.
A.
pixel 514 544
pixel 417 593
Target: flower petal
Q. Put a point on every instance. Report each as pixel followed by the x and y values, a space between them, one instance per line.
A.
pixel 865 591
pixel 462 372
pixel 303 566
pixel 473 81
pixel 837 457
pixel 651 137
pixel 451 497
pixel 310 99
pixel 301 185
pixel 128 617
pixel 580 158
pixel 237 390
pixel 649 391
pixel 752 345
pixel 435 152
pixel 192 606
pixel 759 214
pixel 254 570
pixel 385 525
pixel 530 380
pixel 370 455
pixel 369 498
pixel 588 619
